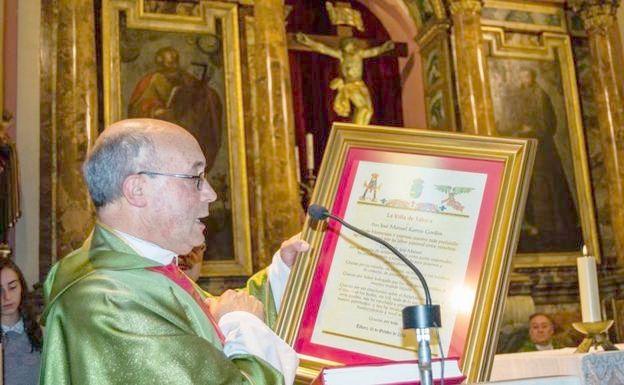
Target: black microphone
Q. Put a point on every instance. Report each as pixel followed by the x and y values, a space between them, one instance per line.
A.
pixel 419 317
pixel 318 212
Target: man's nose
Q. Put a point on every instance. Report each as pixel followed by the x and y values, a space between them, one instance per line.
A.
pixel 208 193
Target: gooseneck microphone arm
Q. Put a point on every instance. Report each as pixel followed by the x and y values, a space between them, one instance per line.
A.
pixel 396 252
pixel 419 317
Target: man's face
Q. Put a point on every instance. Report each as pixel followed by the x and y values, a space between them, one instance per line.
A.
pixel 170 60
pixel 175 205
pixel 541 330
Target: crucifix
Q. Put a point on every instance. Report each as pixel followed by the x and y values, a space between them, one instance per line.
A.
pixel 351 52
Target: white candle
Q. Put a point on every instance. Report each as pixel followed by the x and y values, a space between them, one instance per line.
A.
pixel 588 288
pixel 310 151
pixel 297 165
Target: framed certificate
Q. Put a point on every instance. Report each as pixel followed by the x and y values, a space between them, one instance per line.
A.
pixel 451 203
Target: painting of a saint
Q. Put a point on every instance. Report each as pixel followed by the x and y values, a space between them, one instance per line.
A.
pixel 173 94
pixel 528 106
pixel 178 77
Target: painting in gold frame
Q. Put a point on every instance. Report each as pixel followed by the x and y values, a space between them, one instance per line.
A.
pixel 185 68
pixel 534 92
pixel 475 327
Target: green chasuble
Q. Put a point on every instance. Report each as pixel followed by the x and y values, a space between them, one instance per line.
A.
pixel 110 320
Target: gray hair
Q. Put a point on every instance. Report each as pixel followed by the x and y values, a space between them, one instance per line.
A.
pixel 113 158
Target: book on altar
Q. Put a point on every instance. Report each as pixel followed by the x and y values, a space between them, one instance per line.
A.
pixel 389 373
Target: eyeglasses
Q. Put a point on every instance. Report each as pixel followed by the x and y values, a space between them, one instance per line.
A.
pixel 201 178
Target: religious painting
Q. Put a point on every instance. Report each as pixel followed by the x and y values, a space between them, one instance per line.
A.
pixel 534 96
pixel 451 203
pixel 182 66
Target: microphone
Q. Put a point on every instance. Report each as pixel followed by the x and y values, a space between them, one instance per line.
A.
pixel 318 212
pixel 419 317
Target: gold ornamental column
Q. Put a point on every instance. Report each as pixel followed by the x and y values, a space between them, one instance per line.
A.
pixel 275 167
pixel 599 18
pixel 69 124
pixel 475 100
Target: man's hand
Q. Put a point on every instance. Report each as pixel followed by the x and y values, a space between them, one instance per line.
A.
pixel 290 248
pixel 235 301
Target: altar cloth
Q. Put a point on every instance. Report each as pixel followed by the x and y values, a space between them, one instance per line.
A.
pixel 594 368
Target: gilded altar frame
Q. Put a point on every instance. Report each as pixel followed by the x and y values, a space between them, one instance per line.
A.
pixel 492 277
pixel 546 38
pixel 203 21
pixel 438 83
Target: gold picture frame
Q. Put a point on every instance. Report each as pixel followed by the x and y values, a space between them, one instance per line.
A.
pixel 211 30
pixel 551 54
pixel 478 325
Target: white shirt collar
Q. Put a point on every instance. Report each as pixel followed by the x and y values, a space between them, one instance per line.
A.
pixel 17 328
pixel 147 249
pixel 544 347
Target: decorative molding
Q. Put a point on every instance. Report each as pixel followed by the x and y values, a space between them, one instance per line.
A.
pixel 524 16
pixel 429 34
pixel 596 14
pixel 464 6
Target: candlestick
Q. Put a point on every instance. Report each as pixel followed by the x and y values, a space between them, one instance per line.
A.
pixel 588 288
pixel 595 335
pixel 297 164
pixel 310 151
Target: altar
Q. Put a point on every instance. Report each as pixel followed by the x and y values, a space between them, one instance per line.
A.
pixel 556 380
pixel 592 368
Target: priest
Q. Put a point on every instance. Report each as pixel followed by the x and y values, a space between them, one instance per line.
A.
pixel 120 311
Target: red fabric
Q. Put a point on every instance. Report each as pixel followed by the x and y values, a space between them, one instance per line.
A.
pixel 172 272
pixel 311 73
pixel 140 87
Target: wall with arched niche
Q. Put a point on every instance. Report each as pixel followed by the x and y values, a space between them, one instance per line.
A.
pixel 401 27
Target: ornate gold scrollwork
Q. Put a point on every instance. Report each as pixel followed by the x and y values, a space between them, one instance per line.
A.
pixel 465 6
pixel 596 14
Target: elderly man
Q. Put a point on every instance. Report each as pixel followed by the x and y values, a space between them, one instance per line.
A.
pixel 541 331
pixel 119 311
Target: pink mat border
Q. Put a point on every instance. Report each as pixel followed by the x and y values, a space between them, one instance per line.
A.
pixel 494 171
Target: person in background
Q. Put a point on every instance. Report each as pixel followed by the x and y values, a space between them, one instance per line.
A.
pixel 21 334
pixel 541 332
pixel 191 263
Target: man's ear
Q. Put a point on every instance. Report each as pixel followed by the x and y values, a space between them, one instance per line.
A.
pixel 133 189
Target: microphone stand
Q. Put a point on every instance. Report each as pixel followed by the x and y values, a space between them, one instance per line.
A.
pixel 419 317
